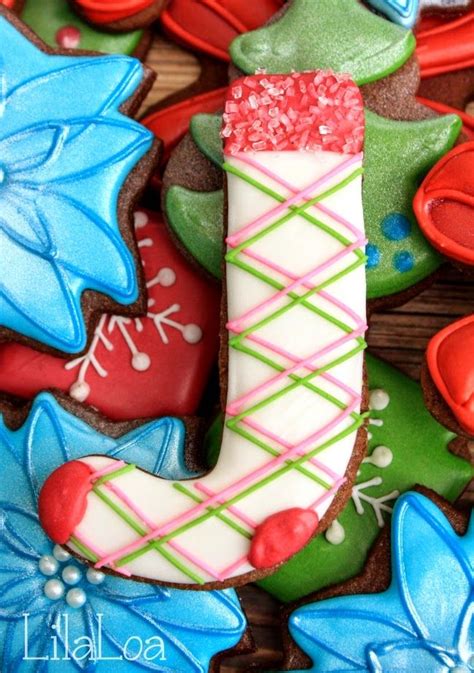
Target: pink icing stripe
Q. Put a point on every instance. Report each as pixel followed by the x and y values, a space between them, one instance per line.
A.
pixel 322 498
pixel 229 571
pixel 246 159
pixel 234 325
pixel 237 238
pixel 232 409
pixel 116 465
pixel 235 510
pixel 140 514
pixel 95 550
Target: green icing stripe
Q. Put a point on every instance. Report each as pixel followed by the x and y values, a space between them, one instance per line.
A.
pixel 85 551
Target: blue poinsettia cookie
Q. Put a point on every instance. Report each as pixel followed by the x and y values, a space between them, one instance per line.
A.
pixel 72 163
pixel 57 616
pixel 423 622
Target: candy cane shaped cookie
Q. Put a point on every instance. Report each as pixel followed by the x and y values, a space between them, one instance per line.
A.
pixel 295 274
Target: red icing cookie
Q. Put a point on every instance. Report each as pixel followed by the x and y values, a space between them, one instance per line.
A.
pixel 211 25
pixel 444 204
pixel 171 123
pixel 450 358
pixel 446 47
pixel 119 14
pixel 152 366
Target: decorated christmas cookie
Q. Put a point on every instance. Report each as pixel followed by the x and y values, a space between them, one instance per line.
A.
pixel 136 367
pixel 448 376
pixel 209 26
pixel 293 435
pixel 418 617
pixel 72 165
pixel 444 205
pixel 446 55
pixel 72 617
pixel 119 15
pixel 318 34
pixel 55 23
pixel 396 153
pixel 406 447
pixel 403 12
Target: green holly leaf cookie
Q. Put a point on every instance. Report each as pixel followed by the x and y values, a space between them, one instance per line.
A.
pixel 397 156
pixel 56 24
pixel 340 35
pixel 197 220
pixel 406 447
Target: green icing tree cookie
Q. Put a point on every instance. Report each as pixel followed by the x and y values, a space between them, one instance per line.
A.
pixel 197 221
pixel 340 35
pixel 397 156
pixel 407 447
pixel 56 24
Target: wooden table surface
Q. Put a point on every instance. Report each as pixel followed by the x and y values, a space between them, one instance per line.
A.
pixel 399 336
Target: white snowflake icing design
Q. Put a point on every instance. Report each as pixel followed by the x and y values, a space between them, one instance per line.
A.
pixel 380 457
pixel 129 328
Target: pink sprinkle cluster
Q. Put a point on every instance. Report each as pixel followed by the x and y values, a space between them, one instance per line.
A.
pixel 317 110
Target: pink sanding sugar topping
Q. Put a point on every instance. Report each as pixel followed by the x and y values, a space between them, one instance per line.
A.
pixel 317 110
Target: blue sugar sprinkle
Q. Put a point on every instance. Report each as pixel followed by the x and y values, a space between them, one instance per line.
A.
pixel 396 227
pixel 403 261
pixel 373 256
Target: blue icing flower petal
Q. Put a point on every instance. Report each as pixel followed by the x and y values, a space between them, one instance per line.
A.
pixel 403 261
pixel 194 626
pixel 421 622
pixel 396 227
pixel 373 255
pixel 403 12
pixel 66 150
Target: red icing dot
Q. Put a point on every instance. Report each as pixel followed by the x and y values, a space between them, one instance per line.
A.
pixel 63 500
pixel 68 37
pixel 450 358
pixel 444 204
pixel 301 111
pixel 281 536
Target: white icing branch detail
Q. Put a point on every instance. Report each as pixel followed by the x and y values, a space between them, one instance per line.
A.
pixel 378 504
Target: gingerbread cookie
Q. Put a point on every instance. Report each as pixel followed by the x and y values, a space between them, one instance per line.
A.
pixel 70 154
pixel 406 446
pixel 294 429
pixel 209 27
pixel 119 15
pixel 149 366
pixel 57 25
pixel 407 12
pixel 74 617
pixel 415 617
pixel 396 153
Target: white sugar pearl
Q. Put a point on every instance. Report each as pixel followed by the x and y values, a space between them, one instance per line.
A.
pixel 192 334
pixel 54 590
pixel 61 554
pixel 167 277
pixel 141 362
pixel 381 456
pixel 379 399
pixel 335 534
pixel 95 576
pixel 140 219
pixel 48 565
pixel 76 598
pixel 80 391
pixel 71 575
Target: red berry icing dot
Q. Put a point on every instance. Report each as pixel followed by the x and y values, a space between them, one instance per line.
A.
pixel 300 111
pixel 68 37
pixel 281 536
pixel 63 499
pixel 450 358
